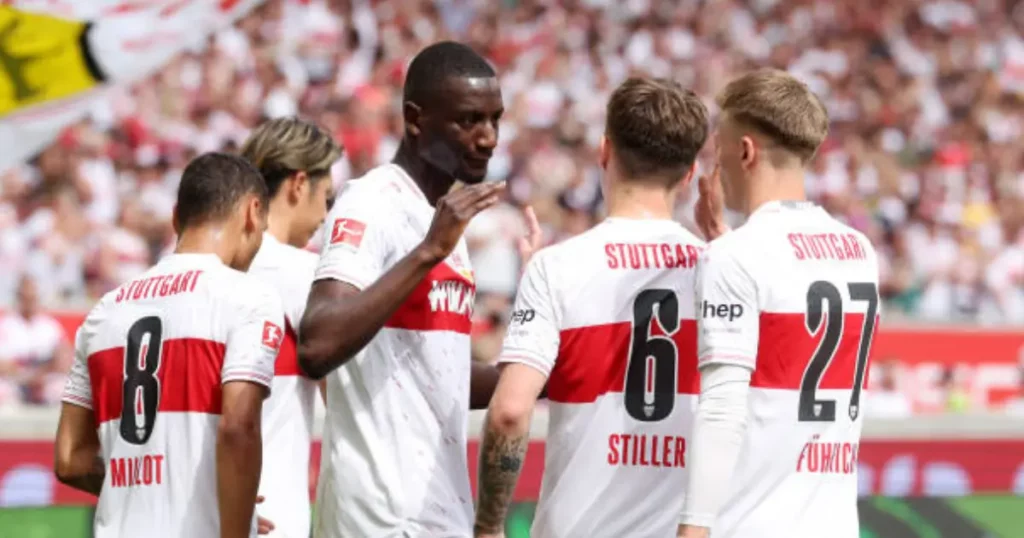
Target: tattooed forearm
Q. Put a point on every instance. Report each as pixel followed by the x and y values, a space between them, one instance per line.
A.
pixel 501 459
pixel 91 481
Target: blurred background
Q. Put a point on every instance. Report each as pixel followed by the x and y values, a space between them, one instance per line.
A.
pixel 925 157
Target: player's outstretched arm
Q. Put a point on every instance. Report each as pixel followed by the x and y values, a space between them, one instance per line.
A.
pixel 341 319
pixel 77 450
pixel 239 456
pixel 503 448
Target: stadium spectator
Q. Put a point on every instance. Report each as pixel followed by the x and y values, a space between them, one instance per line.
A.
pixel 31 344
pixel 927 102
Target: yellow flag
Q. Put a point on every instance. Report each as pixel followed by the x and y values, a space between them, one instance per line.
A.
pixel 42 58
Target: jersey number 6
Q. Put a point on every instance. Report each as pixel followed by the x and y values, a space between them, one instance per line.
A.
pixel 650 389
pixel 141 389
pixel 825 306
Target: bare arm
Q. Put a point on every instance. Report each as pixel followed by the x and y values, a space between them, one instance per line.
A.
pixel 239 456
pixel 340 319
pixel 77 461
pixel 483 381
pixel 506 437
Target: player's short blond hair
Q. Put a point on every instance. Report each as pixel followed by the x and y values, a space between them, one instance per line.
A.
pixel 780 107
pixel 284 146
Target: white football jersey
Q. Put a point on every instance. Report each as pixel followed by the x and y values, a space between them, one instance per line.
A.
pixel 288 413
pixel 608 316
pixel 792 295
pixel 394 448
pixel 150 360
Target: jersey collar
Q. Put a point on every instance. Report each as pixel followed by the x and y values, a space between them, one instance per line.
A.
pixel 406 180
pixel 777 206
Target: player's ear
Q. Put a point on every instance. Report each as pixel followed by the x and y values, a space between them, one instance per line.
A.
pixel 688 177
pixel 298 186
pixel 175 223
pixel 253 215
pixel 413 115
pixel 748 152
pixel 604 152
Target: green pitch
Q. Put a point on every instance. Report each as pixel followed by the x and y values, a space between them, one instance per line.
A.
pixel 881 517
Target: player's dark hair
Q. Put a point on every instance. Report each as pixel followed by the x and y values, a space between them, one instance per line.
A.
pixel 656 127
pixel 213 184
pixel 283 146
pixel 435 65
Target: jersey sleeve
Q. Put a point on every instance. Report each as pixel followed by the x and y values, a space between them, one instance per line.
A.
pixel 255 338
pixel 727 309
pixel 355 239
pixel 533 332
pixel 78 387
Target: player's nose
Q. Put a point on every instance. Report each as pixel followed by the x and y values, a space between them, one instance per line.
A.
pixel 487 138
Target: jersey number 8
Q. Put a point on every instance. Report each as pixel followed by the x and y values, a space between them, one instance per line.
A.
pixel 650 389
pixel 141 388
pixel 825 306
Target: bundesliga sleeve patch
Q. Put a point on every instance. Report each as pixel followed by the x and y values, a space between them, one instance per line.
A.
pixel 272 335
pixel 347 232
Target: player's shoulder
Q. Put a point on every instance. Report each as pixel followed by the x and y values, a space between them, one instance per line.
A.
pixel 861 238
pixel 381 185
pixel 736 244
pixel 283 259
pixel 241 290
pixel 562 253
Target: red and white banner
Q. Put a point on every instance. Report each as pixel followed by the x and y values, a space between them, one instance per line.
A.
pixel 63 54
pixel 893 468
pixel 987 363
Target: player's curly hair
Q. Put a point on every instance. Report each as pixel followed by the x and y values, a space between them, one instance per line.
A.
pixel 283 146
pixel 656 128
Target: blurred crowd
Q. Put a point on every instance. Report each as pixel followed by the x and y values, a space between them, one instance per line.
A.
pixel 926 98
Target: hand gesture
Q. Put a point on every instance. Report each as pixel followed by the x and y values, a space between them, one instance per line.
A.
pixel 534 237
pixel 263 525
pixel 453 213
pixel 709 213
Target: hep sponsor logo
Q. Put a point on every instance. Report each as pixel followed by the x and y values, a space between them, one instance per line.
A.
pixel 272 335
pixel 522 316
pixel 724 311
pixel 347 232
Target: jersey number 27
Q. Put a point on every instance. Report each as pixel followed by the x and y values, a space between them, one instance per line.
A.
pixel 825 306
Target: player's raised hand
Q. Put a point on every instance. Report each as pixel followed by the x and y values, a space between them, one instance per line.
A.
pixel 453 213
pixel 534 236
pixel 263 525
pixel 709 213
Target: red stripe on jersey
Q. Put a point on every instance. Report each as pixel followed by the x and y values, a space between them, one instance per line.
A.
pixel 592 361
pixel 785 347
pixel 287 362
pixel 443 301
pixel 189 374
